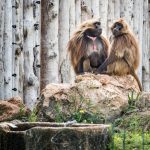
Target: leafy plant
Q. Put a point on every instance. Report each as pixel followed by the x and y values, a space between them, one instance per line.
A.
pixel 82 112
pixel 132 99
pixel 33 116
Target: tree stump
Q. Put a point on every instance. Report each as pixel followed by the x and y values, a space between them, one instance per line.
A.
pixel 54 136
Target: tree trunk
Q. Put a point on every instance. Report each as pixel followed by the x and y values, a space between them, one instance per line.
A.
pixel 95 8
pixel 7 55
pixel 110 17
pixel 37 36
pixel 17 48
pixel 78 12
pixel 49 43
pixel 145 63
pixel 2 7
pixel 86 10
pixel 103 15
pixel 64 66
pixel 126 11
pixel 31 84
pixel 138 29
pixel 72 24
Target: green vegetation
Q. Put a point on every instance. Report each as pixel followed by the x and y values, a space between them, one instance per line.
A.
pixel 133 141
pixel 132 128
pixel 33 116
pixel 81 112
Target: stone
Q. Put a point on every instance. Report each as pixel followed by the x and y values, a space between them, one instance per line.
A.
pixel 12 108
pixel 102 94
pixel 54 136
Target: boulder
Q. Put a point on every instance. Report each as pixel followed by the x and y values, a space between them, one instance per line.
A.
pixel 103 95
pixel 12 108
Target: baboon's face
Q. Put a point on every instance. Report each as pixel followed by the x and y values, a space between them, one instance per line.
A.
pixel 92 28
pixel 119 27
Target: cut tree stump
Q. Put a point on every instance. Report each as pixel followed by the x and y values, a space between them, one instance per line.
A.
pixel 54 136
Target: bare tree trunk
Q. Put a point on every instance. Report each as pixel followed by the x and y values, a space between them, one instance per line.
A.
pixel 78 12
pixel 17 47
pixel 31 84
pixel 49 42
pixel 64 66
pixel 7 55
pixel 1 50
pixel 138 28
pixel 95 8
pixel 72 17
pixel 145 53
pixel 126 11
pixel 37 36
pixel 21 56
pixel 103 15
pixel 116 9
pixel 110 17
pixel 86 10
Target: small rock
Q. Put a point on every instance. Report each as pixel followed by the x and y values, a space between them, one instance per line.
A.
pixel 12 108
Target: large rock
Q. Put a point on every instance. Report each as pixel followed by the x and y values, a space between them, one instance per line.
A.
pixel 102 94
pixel 12 109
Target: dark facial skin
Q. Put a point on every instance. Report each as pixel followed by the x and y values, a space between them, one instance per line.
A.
pixel 96 31
pixel 117 28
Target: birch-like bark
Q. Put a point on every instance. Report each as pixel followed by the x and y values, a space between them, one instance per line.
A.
pixel 31 85
pixel 20 46
pixel 17 47
pixel 86 10
pixel 110 17
pixel 95 8
pixel 49 42
pixel 7 55
pixel 126 11
pixel 37 17
pixel 145 52
pixel 64 65
pixel 1 50
pixel 149 37
pixel 138 28
pixel 14 47
pixel 103 15
pixel 72 17
pixel 37 36
pixel 78 12
pixel 116 9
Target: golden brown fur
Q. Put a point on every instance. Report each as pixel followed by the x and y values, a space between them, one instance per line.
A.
pixel 124 54
pixel 78 45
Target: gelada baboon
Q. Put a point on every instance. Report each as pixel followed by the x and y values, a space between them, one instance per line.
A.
pixel 124 54
pixel 87 47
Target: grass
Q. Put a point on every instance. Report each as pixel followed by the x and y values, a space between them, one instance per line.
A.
pixel 133 141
